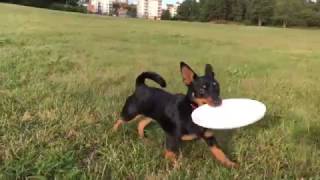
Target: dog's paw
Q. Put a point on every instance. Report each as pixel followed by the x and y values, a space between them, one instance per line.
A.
pixel 117 125
pixel 232 165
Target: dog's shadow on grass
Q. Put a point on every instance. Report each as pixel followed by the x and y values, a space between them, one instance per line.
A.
pixel 307 135
pixel 270 121
pixel 226 140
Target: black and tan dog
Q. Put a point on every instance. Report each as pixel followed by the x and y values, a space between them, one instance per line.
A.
pixel 173 112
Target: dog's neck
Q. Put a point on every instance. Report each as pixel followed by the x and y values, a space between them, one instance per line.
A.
pixel 194 105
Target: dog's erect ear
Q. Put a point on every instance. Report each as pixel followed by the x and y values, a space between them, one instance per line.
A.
pixel 187 73
pixel 209 71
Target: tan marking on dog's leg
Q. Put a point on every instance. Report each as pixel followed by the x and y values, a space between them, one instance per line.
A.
pixel 117 124
pixel 172 157
pixel 189 137
pixel 142 124
pixel 222 158
pixel 208 134
pixel 137 118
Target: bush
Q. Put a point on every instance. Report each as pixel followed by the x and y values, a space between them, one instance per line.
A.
pixel 64 7
pixel 314 20
pixel 310 18
pixel 166 15
pixel 34 3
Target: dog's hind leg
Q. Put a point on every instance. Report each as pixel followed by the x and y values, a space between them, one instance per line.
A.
pixel 129 112
pixel 189 137
pixel 117 124
pixel 142 124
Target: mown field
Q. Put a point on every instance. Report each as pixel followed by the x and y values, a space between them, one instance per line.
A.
pixel 64 78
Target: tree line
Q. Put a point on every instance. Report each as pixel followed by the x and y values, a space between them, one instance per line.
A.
pixel 73 5
pixel 261 12
pixel 64 5
pixel 42 3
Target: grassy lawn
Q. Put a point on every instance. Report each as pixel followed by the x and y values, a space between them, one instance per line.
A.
pixel 64 78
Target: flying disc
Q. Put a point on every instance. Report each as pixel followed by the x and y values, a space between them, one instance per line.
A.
pixel 232 113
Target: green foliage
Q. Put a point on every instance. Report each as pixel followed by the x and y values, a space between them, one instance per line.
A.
pixel 66 7
pixel 166 15
pixel 72 2
pixel 213 10
pixel 188 10
pixel 70 5
pixel 132 10
pixel 62 5
pixel 287 11
pixel 239 10
pixel 115 8
pixel 260 11
pixel 309 17
pixel 316 7
pixel 36 3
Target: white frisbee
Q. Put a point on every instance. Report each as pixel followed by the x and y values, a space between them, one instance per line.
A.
pixel 233 113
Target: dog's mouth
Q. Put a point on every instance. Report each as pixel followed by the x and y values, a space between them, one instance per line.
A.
pixel 209 101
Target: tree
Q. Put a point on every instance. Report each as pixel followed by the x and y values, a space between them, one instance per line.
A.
pixel 260 10
pixel 228 9
pixel 72 2
pixel 239 10
pixel 317 6
pixel 216 9
pixel 115 8
pixel 166 15
pixel 309 17
pixel 36 3
pixel 132 10
pixel 212 10
pixel 188 10
pixel 287 10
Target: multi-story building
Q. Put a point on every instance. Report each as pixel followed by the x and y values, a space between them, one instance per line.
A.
pixel 102 6
pixel 150 9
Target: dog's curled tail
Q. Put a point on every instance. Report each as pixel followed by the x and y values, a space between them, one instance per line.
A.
pixel 150 75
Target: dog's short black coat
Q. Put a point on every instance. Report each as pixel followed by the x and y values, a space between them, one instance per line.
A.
pixel 173 111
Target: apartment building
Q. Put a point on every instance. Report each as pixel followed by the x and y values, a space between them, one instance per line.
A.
pixel 102 6
pixel 150 9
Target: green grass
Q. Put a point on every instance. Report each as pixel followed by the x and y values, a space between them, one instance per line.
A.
pixel 64 78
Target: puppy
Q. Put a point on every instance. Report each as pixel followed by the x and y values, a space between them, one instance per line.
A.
pixel 173 111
